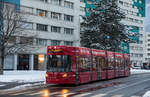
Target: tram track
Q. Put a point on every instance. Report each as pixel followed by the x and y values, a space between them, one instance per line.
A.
pixel 84 88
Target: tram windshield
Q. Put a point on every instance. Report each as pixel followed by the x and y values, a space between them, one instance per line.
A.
pixel 59 63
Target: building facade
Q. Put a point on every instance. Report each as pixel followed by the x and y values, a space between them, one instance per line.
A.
pixel 57 22
pixel 135 15
pixel 51 22
pixel 147 48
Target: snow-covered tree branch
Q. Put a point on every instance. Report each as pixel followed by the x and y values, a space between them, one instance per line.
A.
pixel 103 28
pixel 12 23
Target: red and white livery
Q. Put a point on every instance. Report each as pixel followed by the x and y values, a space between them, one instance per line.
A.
pixel 77 65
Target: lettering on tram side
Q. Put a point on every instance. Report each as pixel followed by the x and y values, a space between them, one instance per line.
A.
pixel 101 53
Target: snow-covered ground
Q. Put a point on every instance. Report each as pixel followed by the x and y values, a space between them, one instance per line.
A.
pixel 23 76
pixel 137 71
pixel 36 76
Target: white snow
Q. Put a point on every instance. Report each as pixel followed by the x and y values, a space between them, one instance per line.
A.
pixel 2 85
pixel 137 71
pixel 23 76
pixel 23 86
pixel 147 94
pixel 37 76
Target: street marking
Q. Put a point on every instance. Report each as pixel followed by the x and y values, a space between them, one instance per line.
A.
pixel 85 94
pixel 36 93
pixel 54 93
pixel 117 96
pixel 21 93
pixel 99 95
pixel 135 96
pixel 147 94
pixel 65 95
pixel 127 86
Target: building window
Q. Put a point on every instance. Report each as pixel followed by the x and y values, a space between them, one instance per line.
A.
pixel 42 12
pixel 82 9
pixel 26 40
pixel 26 25
pixel 82 1
pixel 55 42
pixel 55 15
pixel 41 27
pixel 68 31
pixel 55 2
pixel 148 49
pixel 121 2
pixel 68 4
pixel 69 43
pixel 68 18
pixel 44 1
pixel 148 54
pixel 27 10
pixel 42 42
pixel 12 40
pixel 55 29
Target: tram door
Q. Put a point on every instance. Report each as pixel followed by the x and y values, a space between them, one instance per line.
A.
pixel 98 68
pixel 77 69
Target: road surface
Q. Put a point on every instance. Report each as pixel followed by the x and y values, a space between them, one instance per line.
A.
pixel 133 86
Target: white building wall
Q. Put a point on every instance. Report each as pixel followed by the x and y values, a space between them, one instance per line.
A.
pixel 32 6
pixel 136 49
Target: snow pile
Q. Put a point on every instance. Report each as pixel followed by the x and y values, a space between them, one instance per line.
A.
pixel 147 94
pixel 2 85
pixel 24 86
pixel 137 71
pixel 38 76
pixel 23 76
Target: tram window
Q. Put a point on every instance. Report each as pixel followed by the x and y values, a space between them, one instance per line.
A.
pixel 84 64
pixel 59 63
pixel 122 64
pixel 127 64
pixel 103 64
pixel 117 63
pixel 110 63
pixel 95 63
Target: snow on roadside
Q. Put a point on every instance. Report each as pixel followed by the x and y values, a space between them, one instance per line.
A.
pixel 24 86
pixel 147 94
pixel 23 76
pixel 137 71
pixel 2 85
pixel 38 76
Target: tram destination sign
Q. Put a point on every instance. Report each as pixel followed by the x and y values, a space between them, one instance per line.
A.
pixel 55 51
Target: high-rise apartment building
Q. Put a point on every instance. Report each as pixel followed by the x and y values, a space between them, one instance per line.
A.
pixel 51 22
pixel 135 15
pixel 57 22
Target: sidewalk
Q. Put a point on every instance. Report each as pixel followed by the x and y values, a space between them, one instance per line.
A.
pixel 21 80
pixel 14 85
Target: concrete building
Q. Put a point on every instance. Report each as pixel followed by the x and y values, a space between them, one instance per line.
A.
pixel 135 15
pixel 52 22
pixel 57 22
pixel 147 48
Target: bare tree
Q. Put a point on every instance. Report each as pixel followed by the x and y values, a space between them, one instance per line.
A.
pixel 12 23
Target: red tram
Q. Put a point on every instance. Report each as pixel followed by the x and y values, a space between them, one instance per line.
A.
pixel 77 65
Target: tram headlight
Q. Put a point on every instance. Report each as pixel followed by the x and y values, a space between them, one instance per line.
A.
pixel 65 75
pixel 46 75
